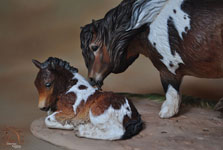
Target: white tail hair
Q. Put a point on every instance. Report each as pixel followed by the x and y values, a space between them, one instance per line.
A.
pixel 145 11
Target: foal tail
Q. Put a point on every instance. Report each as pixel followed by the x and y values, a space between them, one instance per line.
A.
pixel 132 125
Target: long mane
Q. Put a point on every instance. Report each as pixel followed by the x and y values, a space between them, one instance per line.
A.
pixel 112 30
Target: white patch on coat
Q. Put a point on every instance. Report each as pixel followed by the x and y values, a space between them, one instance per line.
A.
pixel 81 94
pixel 156 13
pixel 172 104
pixel 51 122
pixel 107 126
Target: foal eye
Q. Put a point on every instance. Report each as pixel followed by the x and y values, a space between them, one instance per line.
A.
pixel 94 48
pixel 48 85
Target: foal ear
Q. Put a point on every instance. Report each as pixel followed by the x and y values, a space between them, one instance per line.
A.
pixel 36 63
pixel 53 65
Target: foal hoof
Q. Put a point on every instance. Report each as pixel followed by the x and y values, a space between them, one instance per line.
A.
pixel 168 110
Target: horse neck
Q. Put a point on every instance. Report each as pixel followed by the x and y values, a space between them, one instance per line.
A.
pixel 82 89
pixel 80 84
pixel 139 45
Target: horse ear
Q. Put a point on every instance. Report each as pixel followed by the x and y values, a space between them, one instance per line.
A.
pixel 94 26
pixel 37 63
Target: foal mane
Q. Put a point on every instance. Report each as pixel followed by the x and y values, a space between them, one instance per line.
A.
pixel 112 30
pixel 54 62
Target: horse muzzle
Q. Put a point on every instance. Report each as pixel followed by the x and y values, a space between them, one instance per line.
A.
pixel 98 84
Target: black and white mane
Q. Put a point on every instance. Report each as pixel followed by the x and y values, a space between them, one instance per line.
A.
pixel 112 30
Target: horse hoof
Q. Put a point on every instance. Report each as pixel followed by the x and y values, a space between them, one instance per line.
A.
pixel 168 110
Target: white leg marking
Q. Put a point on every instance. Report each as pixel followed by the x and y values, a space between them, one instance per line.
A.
pixel 107 126
pixel 51 122
pixel 156 13
pixel 172 104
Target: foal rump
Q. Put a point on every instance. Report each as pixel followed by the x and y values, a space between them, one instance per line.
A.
pixel 133 127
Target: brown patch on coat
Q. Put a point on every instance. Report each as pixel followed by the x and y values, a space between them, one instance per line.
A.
pixel 72 83
pixel 66 102
pixel 105 100
pixel 82 87
pixel 65 108
pixel 45 97
pixel 101 64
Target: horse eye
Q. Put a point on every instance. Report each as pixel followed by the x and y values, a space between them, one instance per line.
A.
pixel 94 48
pixel 48 85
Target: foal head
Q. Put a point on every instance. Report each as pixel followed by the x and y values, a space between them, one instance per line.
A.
pixel 52 80
pixel 104 43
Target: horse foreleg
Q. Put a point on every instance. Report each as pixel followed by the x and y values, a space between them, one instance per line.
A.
pixel 59 120
pixel 171 84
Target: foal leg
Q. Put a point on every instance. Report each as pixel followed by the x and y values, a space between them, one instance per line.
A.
pixel 58 120
pixel 106 126
pixel 171 84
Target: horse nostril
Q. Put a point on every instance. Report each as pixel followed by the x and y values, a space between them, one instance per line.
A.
pixel 92 81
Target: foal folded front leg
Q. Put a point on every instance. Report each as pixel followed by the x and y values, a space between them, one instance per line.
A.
pixel 171 84
pixel 59 120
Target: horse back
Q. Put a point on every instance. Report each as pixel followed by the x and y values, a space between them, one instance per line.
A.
pixel 202 47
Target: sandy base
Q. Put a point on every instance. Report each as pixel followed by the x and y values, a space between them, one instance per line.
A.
pixel 193 129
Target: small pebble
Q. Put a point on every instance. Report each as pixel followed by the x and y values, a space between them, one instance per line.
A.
pixel 163 132
pixel 205 130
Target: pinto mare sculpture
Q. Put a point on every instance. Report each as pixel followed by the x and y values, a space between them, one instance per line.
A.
pixel 181 37
pixel 79 106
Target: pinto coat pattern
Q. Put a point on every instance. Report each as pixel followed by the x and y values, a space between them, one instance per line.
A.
pixel 79 106
pixel 181 37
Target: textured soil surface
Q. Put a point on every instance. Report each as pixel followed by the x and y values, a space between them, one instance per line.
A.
pixel 193 129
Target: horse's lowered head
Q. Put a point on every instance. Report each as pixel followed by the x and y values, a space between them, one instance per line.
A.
pixel 104 44
pixel 52 80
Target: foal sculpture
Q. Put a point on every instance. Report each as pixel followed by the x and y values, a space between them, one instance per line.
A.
pixel 181 37
pixel 75 104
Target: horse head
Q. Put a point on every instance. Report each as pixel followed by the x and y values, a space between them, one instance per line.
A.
pixel 104 49
pixel 52 80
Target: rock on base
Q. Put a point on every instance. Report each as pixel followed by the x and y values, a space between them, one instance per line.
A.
pixel 194 128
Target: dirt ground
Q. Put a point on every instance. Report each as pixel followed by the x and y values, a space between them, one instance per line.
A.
pixel 193 129
pixel 43 28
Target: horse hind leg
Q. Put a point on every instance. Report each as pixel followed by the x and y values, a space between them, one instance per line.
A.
pixel 171 85
pixel 105 126
pixel 102 132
